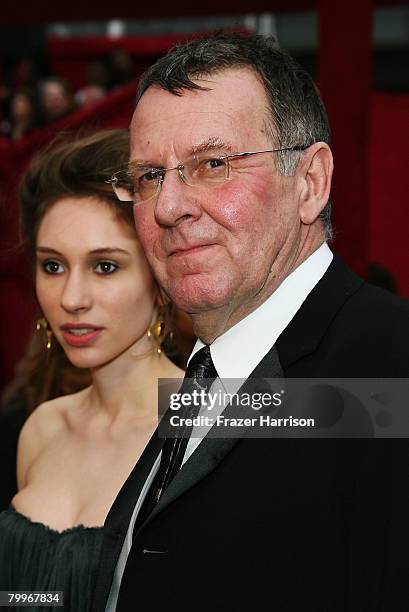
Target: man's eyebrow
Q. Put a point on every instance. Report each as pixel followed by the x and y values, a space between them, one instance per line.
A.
pixel 101 250
pixel 140 163
pixel 211 144
pixel 214 143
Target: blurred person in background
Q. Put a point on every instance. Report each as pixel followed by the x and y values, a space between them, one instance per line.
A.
pixel 56 99
pixel 121 68
pixel 23 115
pixel 98 83
pixel 30 70
pixel 89 95
pixel 23 60
pixel 99 73
pixel 99 301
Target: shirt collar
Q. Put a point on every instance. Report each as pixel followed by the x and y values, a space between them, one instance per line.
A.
pixel 236 353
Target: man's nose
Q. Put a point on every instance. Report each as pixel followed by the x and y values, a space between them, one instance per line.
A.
pixel 77 294
pixel 176 201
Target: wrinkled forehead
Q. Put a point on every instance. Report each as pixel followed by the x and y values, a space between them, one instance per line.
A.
pixel 233 110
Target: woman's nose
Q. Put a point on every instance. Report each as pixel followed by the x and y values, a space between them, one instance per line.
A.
pixel 77 293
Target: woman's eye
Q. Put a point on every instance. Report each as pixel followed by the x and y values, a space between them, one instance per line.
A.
pixel 52 267
pixel 106 267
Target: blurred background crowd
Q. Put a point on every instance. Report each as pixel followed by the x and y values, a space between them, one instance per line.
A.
pixel 33 96
pixel 49 70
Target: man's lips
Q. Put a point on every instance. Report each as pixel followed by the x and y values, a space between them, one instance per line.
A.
pixel 80 334
pixel 189 250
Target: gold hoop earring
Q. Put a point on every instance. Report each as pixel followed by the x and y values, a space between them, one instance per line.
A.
pixel 157 331
pixel 42 324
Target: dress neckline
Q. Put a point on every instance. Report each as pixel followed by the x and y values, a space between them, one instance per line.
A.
pixel 47 529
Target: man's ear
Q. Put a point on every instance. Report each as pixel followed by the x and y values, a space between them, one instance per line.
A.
pixel 316 168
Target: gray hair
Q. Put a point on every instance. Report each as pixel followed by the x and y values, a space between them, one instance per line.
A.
pixel 297 113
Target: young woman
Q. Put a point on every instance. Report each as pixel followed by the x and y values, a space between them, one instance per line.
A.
pixel 101 304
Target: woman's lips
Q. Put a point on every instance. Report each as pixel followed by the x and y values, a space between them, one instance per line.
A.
pixel 80 335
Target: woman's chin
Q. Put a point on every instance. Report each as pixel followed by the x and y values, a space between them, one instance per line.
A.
pixel 83 359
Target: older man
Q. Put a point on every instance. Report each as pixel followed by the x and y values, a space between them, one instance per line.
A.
pixel 231 172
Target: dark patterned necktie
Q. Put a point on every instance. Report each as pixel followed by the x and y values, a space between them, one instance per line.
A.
pixel 199 376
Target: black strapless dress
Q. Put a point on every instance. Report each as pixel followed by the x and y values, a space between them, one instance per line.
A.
pixel 34 557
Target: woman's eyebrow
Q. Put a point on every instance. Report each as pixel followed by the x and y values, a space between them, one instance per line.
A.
pixel 46 249
pixel 110 250
pixel 100 250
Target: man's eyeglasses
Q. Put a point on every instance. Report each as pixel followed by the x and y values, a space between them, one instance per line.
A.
pixel 141 183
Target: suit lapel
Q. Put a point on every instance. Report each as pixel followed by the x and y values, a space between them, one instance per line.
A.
pixel 211 451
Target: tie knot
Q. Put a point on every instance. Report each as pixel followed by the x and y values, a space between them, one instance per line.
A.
pixel 201 366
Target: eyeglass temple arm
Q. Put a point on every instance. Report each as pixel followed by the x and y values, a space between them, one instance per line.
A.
pixel 295 148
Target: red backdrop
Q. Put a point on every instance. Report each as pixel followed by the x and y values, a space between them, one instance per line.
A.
pixel 388 220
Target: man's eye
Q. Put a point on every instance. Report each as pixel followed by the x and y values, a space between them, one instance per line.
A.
pixel 105 267
pixel 52 267
pixel 214 163
pixel 212 168
pixel 150 176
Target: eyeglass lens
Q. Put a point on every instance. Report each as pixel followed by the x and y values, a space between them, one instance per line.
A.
pixel 200 171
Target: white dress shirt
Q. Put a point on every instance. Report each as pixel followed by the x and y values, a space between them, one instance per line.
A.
pixel 257 332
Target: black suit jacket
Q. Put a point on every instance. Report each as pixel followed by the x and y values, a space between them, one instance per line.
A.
pixel 283 524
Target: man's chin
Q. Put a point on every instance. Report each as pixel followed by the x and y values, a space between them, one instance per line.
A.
pixel 198 306
pixel 197 293
pixel 198 302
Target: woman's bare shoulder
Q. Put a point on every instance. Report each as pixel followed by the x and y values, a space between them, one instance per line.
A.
pixel 45 423
pixel 49 418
